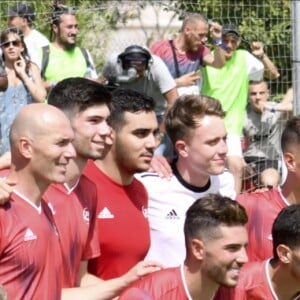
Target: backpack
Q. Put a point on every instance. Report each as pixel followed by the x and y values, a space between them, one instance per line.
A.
pixel 45 59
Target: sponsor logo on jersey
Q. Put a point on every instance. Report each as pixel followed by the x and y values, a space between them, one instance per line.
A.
pixel 29 235
pixel 86 215
pixel 105 214
pixel 172 215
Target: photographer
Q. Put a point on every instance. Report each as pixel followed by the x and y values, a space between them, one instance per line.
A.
pixel 137 69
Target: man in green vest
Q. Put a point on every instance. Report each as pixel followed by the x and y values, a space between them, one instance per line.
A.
pixel 230 86
pixel 63 58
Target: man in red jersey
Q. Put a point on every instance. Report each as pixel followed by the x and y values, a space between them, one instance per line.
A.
pixel 262 208
pixel 215 237
pixel 278 277
pixel 87 105
pixel 122 219
pixel 30 256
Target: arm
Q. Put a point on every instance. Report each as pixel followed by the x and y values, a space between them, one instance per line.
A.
pixel 171 97
pixel 34 86
pixel 94 288
pixel 187 79
pixel 285 105
pixel 270 72
pixel 217 59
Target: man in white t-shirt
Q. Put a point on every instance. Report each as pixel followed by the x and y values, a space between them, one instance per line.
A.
pixel 22 17
pixel 196 128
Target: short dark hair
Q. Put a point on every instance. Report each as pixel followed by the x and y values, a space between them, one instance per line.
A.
pixel 184 115
pixel 78 94
pixel 126 100
pixel 206 215
pixel 286 228
pixel 291 133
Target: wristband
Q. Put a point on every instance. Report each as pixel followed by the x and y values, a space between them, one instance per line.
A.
pixel 217 42
pixel 273 108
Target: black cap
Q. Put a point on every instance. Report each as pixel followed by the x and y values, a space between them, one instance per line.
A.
pixel 22 10
pixel 230 28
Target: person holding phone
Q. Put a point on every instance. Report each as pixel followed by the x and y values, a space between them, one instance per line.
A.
pixel 24 82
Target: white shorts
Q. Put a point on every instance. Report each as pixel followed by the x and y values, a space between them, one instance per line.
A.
pixel 234 145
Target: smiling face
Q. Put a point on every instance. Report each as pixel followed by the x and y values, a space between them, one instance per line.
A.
pixel 204 151
pixel 52 152
pixel 135 141
pixel 92 133
pixel 66 31
pixel 224 256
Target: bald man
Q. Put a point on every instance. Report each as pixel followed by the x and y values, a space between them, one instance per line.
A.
pixel 30 258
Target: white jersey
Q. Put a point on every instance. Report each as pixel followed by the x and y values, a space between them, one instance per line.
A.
pixel 34 41
pixel 168 202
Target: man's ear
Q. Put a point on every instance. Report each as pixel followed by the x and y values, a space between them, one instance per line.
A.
pixel 289 160
pixel 197 249
pixel 55 28
pixel 25 147
pixel 182 148
pixel 284 253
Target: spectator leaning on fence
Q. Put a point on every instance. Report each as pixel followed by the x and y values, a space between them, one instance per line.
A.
pixel 230 86
pixel 63 58
pixel 262 130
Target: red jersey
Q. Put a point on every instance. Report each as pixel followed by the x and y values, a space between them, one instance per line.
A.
pixel 166 284
pixel 262 209
pixel 254 283
pixel 30 256
pixel 122 223
pixel 74 211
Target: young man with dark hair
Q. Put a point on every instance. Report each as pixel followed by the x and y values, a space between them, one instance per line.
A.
pixel 215 240
pixel 196 128
pixel 279 276
pixel 122 218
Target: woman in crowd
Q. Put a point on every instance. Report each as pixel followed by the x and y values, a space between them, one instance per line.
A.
pixel 24 82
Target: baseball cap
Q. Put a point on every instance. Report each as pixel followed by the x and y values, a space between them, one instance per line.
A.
pixel 230 28
pixel 21 10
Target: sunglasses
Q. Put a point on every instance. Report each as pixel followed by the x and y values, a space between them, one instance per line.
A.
pixel 15 43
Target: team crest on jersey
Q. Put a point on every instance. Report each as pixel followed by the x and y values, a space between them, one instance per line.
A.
pixel 145 212
pixel 86 215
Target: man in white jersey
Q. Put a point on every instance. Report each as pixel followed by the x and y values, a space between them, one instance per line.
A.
pixel 196 127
